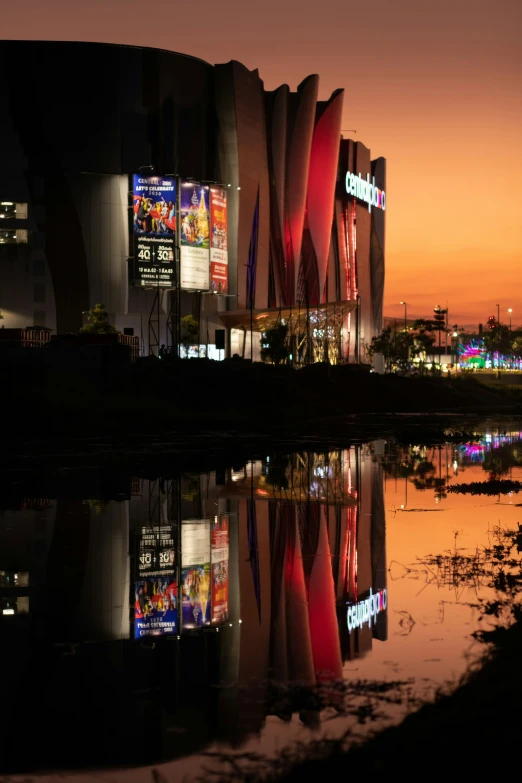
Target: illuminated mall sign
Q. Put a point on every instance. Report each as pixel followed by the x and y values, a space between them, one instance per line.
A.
pixel 365 190
pixel 363 612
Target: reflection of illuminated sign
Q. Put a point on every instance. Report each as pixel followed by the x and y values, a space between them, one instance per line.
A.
pixel 156 551
pixel 365 190
pixel 195 574
pixel 220 549
pixel 156 607
pixel 363 612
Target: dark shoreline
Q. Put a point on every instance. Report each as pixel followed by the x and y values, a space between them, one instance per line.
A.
pixel 173 450
pixel 227 408
pixel 482 713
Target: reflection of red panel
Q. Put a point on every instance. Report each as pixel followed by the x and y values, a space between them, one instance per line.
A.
pixel 322 180
pixel 322 612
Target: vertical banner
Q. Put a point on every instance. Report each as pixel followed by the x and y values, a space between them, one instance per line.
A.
pixel 195 573
pixel 154 231
pixel 156 606
pixel 220 537
pixel 194 237
pixel 218 241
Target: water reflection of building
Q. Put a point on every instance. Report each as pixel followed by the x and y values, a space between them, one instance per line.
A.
pixel 323 544
pixel 304 536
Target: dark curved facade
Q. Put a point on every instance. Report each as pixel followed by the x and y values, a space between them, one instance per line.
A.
pixel 102 112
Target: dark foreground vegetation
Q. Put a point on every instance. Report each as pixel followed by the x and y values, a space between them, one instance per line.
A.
pixel 461 736
pixel 106 397
pixel 472 733
pixel 491 487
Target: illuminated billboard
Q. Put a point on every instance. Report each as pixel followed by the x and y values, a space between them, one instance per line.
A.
pixel 154 231
pixel 195 573
pixel 156 606
pixel 218 241
pixel 194 237
pixel 219 554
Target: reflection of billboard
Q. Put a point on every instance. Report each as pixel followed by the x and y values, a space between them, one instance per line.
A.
pixel 220 570
pixel 194 236
pixel 195 542
pixel 156 606
pixel 156 551
pixel 218 241
pixel 154 229
pixel 195 573
pixel 195 596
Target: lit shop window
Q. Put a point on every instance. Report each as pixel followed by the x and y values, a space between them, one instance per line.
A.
pixel 13 236
pixel 14 578
pixel 18 605
pixel 13 209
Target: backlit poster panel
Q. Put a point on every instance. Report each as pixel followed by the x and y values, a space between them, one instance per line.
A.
pixel 218 241
pixel 220 549
pixel 194 237
pixel 156 606
pixel 154 231
pixel 195 573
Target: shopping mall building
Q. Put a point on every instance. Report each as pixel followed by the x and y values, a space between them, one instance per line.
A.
pixel 163 186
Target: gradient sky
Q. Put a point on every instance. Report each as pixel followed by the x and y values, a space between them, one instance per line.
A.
pixel 435 87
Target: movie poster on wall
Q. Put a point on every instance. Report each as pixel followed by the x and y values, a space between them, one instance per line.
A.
pixel 218 241
pixel 154 231
pixel 220 544
pixel 195 573
pixel 194 237
pixel 156 606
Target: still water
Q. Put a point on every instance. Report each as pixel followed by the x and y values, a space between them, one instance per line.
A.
pixel 147 620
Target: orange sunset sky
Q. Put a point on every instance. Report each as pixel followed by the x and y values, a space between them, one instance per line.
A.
pixel 435 87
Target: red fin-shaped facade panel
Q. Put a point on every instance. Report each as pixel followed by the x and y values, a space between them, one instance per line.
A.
pixel 322 180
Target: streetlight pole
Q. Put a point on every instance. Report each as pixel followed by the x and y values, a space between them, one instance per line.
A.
pixel 405 315
pixel 498 341
pixel 510 310
pixel 454 343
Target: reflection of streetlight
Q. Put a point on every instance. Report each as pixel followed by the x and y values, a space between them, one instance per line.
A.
pixel 405 317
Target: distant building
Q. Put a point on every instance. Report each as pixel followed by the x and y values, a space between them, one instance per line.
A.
pixel 136 173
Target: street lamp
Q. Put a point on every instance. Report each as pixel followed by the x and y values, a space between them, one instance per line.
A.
pixel 455 348
pixel 405 316
pixel 510 310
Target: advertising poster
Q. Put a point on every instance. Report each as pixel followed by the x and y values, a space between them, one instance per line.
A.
pixel 194 237
pixel 154 230
pixel 218 241
pixel 156 550
pixel 156 607
pixel 220 570
pixel 195 573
